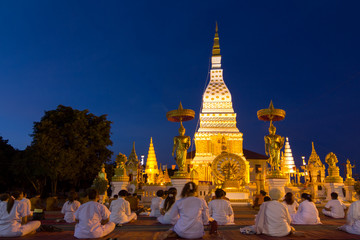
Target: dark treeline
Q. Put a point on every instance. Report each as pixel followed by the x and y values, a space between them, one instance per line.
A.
pixel 66 152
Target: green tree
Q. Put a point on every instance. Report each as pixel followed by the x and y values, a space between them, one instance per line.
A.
pixel 27 171
pixel 71 144
pixel 7 153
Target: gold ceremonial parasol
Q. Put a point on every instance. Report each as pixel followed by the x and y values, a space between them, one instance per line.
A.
pixel 180 115
pixel 271 114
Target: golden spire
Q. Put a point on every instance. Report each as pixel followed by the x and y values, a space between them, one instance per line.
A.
pixel 133 158
pixel 216 47
pixel 151 168
pixel 180 107
pixel 314 158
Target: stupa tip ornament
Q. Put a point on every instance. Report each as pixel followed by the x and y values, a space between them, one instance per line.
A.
pixel 271 113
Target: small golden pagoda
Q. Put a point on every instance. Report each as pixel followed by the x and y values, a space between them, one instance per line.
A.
pixel 151 169
pixel 166 176
pixel 315 168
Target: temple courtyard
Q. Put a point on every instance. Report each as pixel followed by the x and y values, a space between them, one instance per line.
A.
pixel 148 228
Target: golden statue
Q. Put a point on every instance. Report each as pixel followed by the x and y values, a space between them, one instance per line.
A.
pixel 102 173
pixel 333 170
pixel 181 145
pixel 120 169
pixel 349 168
pixel 273 142
pixel 181 142
pixel 331 159
pixel 273 145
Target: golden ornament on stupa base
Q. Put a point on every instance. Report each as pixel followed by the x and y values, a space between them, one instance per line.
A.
pixel 181 142
pixel 273 142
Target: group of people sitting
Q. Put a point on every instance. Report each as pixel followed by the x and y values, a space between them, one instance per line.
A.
pixel 188 215
pixel 274 217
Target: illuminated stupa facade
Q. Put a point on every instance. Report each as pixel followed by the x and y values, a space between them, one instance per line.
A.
pixel 217 132
pixel 289 164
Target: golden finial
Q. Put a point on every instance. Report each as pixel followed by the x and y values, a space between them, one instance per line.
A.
pixel 216 47
pixel 271 105
pixel 180 107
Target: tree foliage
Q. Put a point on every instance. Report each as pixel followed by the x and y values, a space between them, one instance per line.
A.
pixel 71 144
pixel 7 154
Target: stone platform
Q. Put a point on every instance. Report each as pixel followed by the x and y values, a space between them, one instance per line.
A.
pixel 146 228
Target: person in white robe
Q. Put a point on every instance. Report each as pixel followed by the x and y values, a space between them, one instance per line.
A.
pixel 334 208
pixel 28 205
pixel 166 206
pixel 120 210
pixel 155 204
pixel 69 208
pixel 220 209
pixel 273 218
pixel 93 218
pixel 307 212
pixel 290 203
pixel 13 217
pixel 353 218
pixel 192 211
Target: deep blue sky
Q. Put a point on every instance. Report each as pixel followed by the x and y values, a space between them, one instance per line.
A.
pixel 135 60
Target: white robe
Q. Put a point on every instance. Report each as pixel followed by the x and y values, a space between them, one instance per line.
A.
pixel 69 210
pixel 90 215
pixel 165 219
pixel 10 223
pixel 291 208
pixel 28 206
pixel 221 211
pixel 155 207
pixel 121 212
pixel 336 209
pixel 353 219
pixel 306 214
pixel 273 219
pixel 194 213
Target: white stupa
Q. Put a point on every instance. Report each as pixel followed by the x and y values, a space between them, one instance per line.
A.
pixel 288 159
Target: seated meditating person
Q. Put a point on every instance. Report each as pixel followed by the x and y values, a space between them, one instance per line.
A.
pixel 166 206
pixel 69 208
pixel 35 202
pixel 155 204
pixel 52 203
pixel 189 214
pixel 290 203
pixel 334 208
pixel 273 218
pixel 113 198
pixel 267 198
pixel 120 210
pixel 353 217
pixel 259 199
pixel 307 212
pixel 93 218
pixel 13 217
pixel 220 209
pixel 28 204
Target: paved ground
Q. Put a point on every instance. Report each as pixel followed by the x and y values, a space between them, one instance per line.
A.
pixel 148 228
